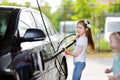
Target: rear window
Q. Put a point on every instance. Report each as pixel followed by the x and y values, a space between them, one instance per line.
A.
pixel 4 19
pixel 68 27
pixel 113 26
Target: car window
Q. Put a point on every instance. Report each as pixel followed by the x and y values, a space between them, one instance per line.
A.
pixel 111 24
pixel 26 21
pixel 38 21
pixel 47 46
pixel 68 27
pixel 49 25
pixel 40 24
pixel 4 19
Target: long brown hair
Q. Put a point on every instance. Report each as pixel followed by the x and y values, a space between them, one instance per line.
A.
pixel 86 24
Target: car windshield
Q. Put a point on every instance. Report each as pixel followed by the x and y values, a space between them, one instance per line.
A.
pixel 4 19
pixel 70 28
pixel 113 26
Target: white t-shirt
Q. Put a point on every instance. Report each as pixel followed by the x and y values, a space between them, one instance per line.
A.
pixel 82 41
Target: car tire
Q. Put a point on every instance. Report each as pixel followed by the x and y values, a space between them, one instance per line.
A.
pixel 63 71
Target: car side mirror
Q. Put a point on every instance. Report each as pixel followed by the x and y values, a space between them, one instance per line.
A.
pixel 34 35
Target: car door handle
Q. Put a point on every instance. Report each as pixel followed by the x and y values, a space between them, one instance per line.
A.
pixel 44 49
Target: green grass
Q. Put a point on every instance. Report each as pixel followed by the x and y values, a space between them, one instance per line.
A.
pixel 100 54
pixel 102 44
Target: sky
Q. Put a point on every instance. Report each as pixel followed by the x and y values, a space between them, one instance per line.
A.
pixel 53 3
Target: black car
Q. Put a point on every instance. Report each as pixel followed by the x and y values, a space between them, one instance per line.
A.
pixel 28 39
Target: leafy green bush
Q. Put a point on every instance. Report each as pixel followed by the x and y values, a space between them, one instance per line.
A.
pixel 102 45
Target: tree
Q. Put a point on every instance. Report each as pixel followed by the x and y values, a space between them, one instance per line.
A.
pixel 27 4
pixel 6 2
pixel 115 8
pixel 67 9
pixel 83 9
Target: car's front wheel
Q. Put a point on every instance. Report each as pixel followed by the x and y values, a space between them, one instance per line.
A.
pixel 62 69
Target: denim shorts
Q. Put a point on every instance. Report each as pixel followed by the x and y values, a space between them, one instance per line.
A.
pixel 77 72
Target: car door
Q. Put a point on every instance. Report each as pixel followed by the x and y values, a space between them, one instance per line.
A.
pixel 48 49
pixel 26 21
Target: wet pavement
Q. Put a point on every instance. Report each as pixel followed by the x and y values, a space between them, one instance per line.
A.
pixel 94 69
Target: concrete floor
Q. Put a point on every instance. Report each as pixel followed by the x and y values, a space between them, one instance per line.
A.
pixel 94 69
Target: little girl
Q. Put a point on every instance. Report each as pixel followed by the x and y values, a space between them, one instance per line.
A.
pixel 83 40
pixel 115 45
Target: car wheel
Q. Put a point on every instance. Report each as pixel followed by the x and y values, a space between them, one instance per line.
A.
pixel 63 72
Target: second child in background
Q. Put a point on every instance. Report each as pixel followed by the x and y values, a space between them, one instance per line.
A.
pixel 84 41
pixel 115 45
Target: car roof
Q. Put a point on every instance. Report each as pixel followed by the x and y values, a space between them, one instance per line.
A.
pixel 12 7
pixel 16 7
